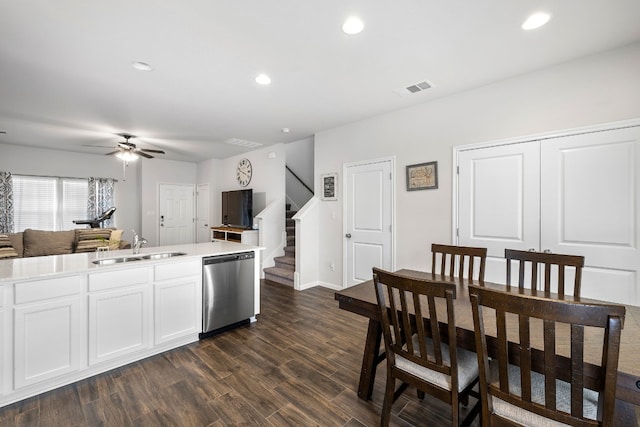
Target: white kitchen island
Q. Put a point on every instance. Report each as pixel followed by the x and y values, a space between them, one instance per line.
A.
pixel 64 318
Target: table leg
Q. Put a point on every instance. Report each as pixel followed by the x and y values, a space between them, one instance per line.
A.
pixel 370 360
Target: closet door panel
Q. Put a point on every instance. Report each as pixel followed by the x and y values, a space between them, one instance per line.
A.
pixel 589 206
pixel 499 201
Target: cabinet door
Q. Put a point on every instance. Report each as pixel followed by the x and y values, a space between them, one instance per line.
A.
pixel 3 347
pixel 48 340
pixel 119 322
pixel 499 201
pixel 177 309
pixel 590 204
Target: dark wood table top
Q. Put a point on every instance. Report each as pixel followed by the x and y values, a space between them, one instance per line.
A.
pixel 361 299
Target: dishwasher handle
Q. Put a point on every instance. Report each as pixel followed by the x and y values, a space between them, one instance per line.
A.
pixel 227 258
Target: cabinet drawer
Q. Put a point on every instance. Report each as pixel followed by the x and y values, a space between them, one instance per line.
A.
pixel 118 278
pixel 38 290
pixel 178 269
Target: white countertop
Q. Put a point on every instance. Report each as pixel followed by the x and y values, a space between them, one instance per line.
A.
pixel 43 266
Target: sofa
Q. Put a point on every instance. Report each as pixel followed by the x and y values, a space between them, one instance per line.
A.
pixel 31 243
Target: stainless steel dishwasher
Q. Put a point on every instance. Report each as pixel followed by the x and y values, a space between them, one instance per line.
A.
pixel 228 290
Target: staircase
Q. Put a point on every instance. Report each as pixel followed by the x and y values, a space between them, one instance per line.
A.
pixel 285 265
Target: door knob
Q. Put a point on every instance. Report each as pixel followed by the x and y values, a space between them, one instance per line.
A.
pixel 348 235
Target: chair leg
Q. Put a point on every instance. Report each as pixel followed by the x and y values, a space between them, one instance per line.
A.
pixel 388 400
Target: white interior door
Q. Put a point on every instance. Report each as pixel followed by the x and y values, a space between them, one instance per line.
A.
pixel 499 201
pixel 176 214
pixel 203 230
pixel 368 217
pixel 587 203
pixel 590 203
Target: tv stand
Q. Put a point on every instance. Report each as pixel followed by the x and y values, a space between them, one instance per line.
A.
pixel 234 234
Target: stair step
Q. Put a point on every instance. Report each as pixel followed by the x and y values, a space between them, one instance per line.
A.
pixel 279 275
pixel 290 214
pixel 285 261
pixel 290 251
pixel 290 222
pixel 291 240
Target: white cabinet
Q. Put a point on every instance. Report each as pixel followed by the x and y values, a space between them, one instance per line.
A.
pixel 119 313
pixel 177 300
pixel 48 330
pixel 3 344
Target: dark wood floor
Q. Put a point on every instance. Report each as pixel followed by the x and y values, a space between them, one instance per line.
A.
pixel 297 366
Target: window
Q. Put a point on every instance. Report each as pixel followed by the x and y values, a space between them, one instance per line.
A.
pixel 47 203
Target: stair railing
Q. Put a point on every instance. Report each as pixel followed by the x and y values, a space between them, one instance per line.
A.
pixel 299 179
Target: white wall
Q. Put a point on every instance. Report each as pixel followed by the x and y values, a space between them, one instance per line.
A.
pixel 208 172
pixel 152 174
pixel 598 89
pixel 38 161
pixel 300 161
pixel 268 177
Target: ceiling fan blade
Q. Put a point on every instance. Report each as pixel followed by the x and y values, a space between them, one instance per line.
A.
pixel 111 153
pixel 140 153
pixel 127 144
pixel 98 146
pixel 148 150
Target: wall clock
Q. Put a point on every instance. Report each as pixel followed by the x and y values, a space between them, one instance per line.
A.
pixel 244 172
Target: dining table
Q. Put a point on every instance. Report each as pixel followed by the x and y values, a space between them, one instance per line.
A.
pixel 361 299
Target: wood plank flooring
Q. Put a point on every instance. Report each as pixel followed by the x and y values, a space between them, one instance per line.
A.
pixel 297 366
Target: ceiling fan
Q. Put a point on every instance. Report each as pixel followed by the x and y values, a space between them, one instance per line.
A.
pixel 128 151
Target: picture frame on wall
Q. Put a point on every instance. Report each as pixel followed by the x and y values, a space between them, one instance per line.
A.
pixel 422 176
pixel 329 186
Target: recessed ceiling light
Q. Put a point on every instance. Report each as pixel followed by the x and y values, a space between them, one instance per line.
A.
pixel 353 25
pixel 263 79
pixel 141 66
pixel 3 132
pixel 285 130
pixel 536 20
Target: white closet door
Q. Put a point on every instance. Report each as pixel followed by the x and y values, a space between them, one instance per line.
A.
pixel 499 201
pixel 590 187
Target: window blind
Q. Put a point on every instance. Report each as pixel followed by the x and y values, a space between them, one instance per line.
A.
pixel 48 203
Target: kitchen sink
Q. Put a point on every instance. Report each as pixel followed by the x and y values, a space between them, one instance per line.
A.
pixel 108 261
pixel 163 255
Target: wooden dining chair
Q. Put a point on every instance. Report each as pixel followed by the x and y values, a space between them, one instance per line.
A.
pixel 526 382
pixel 549 262
pixel 454 261
pixel 416 352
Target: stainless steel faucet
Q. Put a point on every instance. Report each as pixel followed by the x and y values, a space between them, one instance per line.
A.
pixel 137 242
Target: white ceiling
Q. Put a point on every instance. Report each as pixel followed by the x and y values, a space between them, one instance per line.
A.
pixel 66 79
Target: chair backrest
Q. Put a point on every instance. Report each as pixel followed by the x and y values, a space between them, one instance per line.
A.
pixel 404 302
pixel 549 262
pixel 445 259
pixel 526 331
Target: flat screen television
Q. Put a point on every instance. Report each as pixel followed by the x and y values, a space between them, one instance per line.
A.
pixel 237 208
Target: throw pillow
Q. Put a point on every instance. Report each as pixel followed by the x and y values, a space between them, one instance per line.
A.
pixel 41 242
pixel 88 239
pixel 6 249
pixel 115 239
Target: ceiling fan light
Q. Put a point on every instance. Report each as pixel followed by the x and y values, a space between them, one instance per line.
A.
pixel 127 156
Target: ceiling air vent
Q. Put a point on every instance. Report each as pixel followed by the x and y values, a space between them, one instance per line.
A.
pixel 414 88
pixel 242 143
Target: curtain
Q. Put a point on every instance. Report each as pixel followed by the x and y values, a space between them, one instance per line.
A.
pixel 100 198
pixel 6 203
